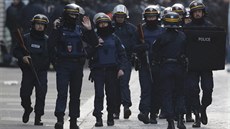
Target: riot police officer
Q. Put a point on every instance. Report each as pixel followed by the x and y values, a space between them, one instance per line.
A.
pixel 107 65
pixel 126 32
pixel 197 14
pixel 148 74
pixel 180 9
pixel 170 50
pixel 37 50
pixel 70 58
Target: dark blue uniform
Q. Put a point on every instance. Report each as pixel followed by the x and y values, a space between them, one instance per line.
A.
pixel 39 52
pixel 149 102
pixel 105 64
pixel 169 48
pixel 205 78
pixel 70 59
pixel 126 33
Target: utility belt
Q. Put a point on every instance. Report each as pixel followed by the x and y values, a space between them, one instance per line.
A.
pixel 77 60
pixel 169 60
pixel 106 68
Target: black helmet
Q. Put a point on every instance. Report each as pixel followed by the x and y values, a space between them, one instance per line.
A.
pixel 171 20
pixel 72 9
pixel 120 10
pixel 101 17
pixel 196 5
pixel 151 10
pixel 40 18
pixel 179 8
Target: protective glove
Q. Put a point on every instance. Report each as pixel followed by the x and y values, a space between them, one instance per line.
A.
pixel 120 73
pixel 25 59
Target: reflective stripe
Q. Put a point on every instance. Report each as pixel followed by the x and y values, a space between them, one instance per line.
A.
pixel 199 6
pixel 172 19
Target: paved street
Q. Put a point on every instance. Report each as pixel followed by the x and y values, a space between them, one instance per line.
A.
pixel 11 111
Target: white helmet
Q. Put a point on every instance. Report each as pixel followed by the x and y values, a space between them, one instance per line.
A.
pixel 120 10
pixel 179 8
pixel 101 17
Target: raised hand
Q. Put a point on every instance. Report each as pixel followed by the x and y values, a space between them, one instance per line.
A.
pixel 86 23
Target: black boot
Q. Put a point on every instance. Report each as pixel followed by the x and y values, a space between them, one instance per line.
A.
pixel 110 120
pixel 37 120
pixel 180 122
pixel 204 118
pixel 127 112
pixel 162 115
pixel 171 124
pixel 143 117
pixel 59 124
pixel 153 119
pixel 73 123
pixel 196 124
pixel 26 115
pixel 189 117
pixel 99 122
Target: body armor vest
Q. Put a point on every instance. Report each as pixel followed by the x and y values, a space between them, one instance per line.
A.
pixel 38 51
pixel 107 54
pixel 71 44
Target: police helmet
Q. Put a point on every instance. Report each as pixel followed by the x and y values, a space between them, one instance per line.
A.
pixel 196 5
pixel 40 18
pixel 171 20
pixel 73 9
pixel 151 10
pixel 179 8
pixel 120 10
pixel 166 10
pixel 101 17
pixel 81 10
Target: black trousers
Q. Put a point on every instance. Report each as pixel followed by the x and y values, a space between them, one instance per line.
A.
pixel 122 89
pixel 27 85
pixel 69 77
pixel 104 80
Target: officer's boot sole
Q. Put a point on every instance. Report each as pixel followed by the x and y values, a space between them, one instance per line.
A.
pixel 58 125
pixel 127 113
pixel 143 118
pixel 26 115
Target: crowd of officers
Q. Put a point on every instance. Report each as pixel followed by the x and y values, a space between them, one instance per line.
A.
pixel 156 48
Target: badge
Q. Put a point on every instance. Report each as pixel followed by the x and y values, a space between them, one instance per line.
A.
pixel 69 48
pixel 35 46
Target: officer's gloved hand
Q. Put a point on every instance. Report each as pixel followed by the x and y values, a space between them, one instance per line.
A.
pixel 120 73
pixel 26 60
pixel 57 23
pixel 142 47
